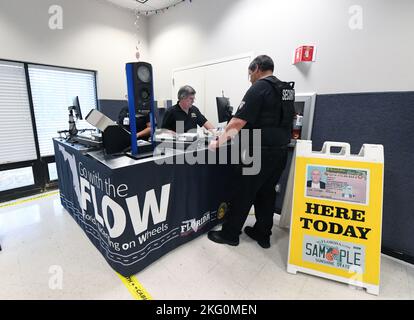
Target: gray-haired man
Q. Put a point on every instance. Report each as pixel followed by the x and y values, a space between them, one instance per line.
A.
pixel 185 112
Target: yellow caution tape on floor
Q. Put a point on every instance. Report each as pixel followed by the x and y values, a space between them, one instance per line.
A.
pixel 135 288
pixel 15 203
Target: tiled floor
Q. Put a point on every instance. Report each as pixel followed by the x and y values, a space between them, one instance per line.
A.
pixel 40 241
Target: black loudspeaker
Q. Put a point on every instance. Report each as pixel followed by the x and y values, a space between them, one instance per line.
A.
pixel 140 82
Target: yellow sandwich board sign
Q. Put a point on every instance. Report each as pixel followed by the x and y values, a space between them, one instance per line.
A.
pixel 336 217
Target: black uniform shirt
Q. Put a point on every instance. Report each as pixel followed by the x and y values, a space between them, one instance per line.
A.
pixel 191 119
pixel 261 108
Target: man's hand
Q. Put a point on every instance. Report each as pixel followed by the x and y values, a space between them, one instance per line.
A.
pixel 231 130
pixel 213 145
pixel 208 125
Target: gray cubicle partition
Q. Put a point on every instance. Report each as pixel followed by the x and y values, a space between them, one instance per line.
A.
pixel 111 108
pixel 378 118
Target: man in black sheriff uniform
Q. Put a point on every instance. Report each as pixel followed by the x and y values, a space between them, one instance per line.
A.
pixel 269 106
pixel 186 113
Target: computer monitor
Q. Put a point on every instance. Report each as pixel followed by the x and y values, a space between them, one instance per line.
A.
pixel 224 110
pixel 77 108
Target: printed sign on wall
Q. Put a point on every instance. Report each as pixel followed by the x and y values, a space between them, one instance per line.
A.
pixel 337 214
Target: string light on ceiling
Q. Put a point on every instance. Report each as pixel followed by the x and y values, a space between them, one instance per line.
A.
pixel 139 12
pixel 161 10
pixel 137 29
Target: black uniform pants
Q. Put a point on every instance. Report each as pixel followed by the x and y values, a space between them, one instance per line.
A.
pixel 258 190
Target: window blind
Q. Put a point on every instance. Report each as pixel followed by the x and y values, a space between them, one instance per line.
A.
pixel 16 131
pixel 53 90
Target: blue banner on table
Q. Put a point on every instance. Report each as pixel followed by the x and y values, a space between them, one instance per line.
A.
pixel 136 214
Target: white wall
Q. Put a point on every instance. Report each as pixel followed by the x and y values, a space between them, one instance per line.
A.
pixel 96 35
pixel 101 36
pixel 377 58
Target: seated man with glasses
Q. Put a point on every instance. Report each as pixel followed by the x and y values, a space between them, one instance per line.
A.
pixel 185 112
